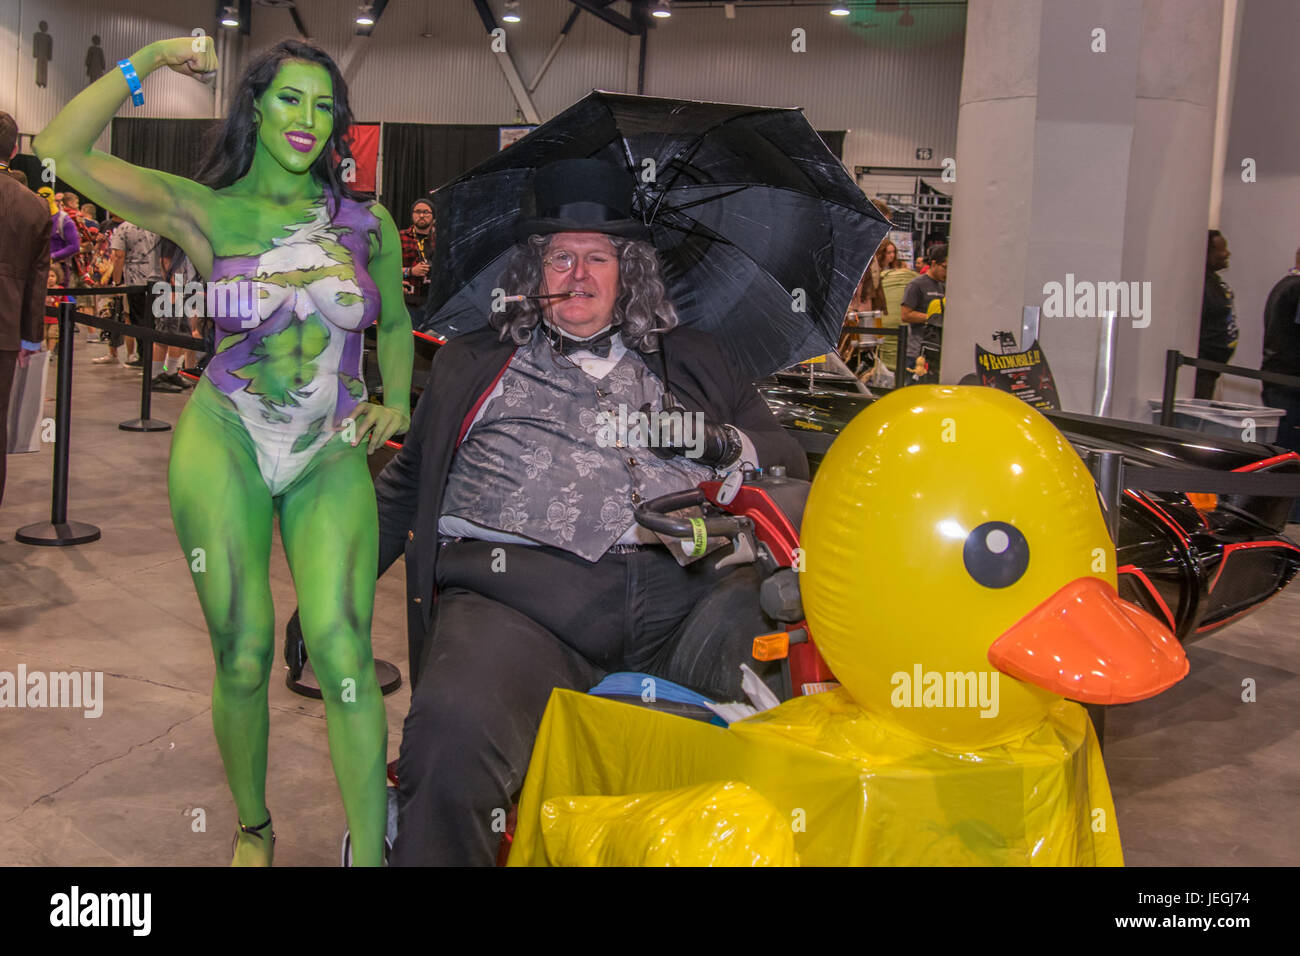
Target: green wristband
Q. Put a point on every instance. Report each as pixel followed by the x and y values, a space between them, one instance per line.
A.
pixel 699 539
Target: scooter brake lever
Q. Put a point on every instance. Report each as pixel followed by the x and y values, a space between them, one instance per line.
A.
pixel 744 553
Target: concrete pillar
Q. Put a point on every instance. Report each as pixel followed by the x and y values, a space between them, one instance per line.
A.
pixel 1084 146
pixel 1260 218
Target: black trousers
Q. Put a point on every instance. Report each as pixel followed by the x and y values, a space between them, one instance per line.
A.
pixel 1206 380
pixel 1288 431
pixel 502 640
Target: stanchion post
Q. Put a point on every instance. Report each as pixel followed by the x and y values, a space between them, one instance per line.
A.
pixel 62 416
pixel 902 377
pixel 59 531
pixel 1108 472
pixel 144 423
pixel 1173 359
pixel 1107 469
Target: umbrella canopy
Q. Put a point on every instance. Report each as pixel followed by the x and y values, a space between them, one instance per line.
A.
pixel 761 233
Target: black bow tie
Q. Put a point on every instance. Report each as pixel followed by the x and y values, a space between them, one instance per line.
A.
pixel 597 345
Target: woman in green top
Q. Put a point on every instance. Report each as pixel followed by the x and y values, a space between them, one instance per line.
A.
pixel 894 277
pixel 298 267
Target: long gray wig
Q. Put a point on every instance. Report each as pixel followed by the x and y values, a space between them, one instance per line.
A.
pixel 642 310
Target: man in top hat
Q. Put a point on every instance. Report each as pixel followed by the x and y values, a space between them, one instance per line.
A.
pixel 512 499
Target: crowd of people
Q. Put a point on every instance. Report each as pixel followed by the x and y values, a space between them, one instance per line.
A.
pixel 88 249
pixel 893 293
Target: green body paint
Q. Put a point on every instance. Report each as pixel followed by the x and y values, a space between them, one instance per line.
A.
pixel 262 433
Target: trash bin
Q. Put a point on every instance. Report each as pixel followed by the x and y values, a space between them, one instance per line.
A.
pixel 1231 419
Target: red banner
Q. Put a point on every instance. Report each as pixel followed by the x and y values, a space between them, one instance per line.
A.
pixel 364 140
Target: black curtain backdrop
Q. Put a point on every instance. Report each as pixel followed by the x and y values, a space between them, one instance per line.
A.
pixel 420 157
pixel 171 145
pixel 417 157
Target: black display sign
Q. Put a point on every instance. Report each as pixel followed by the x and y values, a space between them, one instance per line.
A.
pixel 1025 375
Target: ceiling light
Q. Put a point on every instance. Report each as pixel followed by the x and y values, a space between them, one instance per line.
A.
pixel 662 10
pixel 839 10
pixel 229 16
pixel 366 16
pixel 511 14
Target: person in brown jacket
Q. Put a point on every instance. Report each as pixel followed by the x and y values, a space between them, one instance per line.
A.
pixel 24 269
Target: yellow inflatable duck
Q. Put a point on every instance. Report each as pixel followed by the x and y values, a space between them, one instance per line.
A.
pixel 960 582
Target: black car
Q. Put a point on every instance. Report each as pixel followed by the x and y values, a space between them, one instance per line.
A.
pixel 1195 561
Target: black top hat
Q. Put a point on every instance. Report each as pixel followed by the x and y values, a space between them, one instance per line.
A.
pixel 582 195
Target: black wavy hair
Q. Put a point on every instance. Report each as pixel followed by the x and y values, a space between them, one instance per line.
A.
pixel 230 148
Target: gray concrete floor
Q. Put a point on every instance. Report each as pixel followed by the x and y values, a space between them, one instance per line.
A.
pixel 1199 777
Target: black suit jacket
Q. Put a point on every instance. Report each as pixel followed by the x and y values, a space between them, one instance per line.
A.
pixel 24 262
pixel 464 371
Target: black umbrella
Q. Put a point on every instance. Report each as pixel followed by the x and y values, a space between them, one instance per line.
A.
pixel 762 234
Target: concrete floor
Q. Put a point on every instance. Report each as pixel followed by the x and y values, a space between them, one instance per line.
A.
pixel 1198 776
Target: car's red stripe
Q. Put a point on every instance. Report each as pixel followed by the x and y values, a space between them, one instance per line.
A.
pixel 1159 513
pixel 1230 549
pixel 1244 611
pixel 1288 456
pixel 1134 570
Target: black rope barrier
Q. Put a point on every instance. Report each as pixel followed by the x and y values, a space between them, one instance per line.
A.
pixel 1202 480
pixel 148 336
pixel 1175 359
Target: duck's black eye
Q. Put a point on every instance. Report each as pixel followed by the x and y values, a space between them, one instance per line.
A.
pixel 996 554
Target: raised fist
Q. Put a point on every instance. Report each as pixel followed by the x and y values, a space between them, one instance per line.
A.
pixel 194 56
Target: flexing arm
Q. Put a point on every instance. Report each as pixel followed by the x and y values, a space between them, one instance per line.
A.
pixel 157 201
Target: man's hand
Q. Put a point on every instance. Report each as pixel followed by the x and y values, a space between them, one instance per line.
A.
pixel 714 444
pixel 381 422
pixel 420 269
pixel 25 352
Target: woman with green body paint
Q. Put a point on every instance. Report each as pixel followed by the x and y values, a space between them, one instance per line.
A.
pixel 297 268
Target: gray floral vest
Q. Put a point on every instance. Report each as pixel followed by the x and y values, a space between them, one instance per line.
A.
pixel 533 465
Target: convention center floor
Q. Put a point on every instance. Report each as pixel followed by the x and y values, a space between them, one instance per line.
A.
pixel 1199 776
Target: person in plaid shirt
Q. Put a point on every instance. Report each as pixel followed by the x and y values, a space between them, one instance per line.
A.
pixel 417 252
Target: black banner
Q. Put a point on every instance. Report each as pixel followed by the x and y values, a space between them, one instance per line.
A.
pixel 1025 375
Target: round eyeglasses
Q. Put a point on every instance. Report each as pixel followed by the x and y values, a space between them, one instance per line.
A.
pixel 564 261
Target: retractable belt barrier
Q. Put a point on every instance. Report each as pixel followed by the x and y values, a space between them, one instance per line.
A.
pixel 59 531
pixel 1175 359
pixel 145 423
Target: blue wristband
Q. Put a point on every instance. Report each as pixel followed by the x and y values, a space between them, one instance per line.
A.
pixel 132 80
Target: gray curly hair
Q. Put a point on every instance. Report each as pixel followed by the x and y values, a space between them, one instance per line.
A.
pixel 642 310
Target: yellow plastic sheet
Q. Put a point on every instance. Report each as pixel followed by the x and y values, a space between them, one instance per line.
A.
pixel 853 791
pixel 726 824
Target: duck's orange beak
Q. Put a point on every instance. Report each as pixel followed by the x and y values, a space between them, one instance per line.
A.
pixel 1088 644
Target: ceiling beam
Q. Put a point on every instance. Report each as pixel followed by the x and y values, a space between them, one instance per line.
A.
pixel 597 9
pixel 508 68
pixel 377 11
